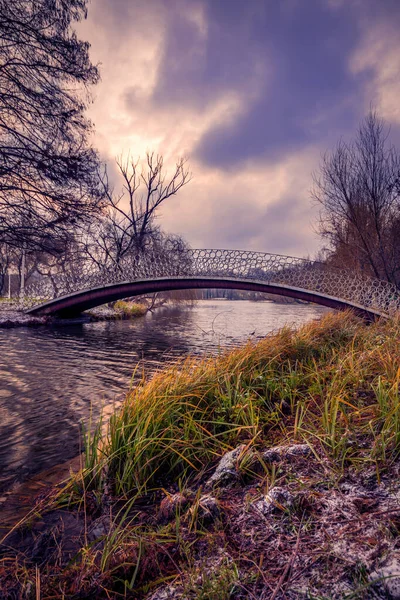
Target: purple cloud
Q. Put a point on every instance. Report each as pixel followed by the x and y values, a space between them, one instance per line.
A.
pixel 256 87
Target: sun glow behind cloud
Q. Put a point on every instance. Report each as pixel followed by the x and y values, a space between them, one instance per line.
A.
pixel 239 89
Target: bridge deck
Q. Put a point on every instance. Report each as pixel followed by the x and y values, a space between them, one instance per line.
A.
pixel 85 286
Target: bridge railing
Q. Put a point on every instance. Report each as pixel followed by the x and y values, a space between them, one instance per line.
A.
pixel 227 264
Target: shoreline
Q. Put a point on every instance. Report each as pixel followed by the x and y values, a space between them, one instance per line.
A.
pixel 271 471
pixel 11 317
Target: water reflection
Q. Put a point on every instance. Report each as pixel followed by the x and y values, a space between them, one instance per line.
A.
pixel 51 378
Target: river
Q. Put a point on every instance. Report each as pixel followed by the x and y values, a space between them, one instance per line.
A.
pixel 53 378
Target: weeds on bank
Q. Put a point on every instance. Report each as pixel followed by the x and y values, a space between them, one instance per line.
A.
pixel 333 384
pixel 129 309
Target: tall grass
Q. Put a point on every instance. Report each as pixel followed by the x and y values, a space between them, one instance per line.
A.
pixel 177 423
pixel 129 309
pixel 333 384
pixel 325 383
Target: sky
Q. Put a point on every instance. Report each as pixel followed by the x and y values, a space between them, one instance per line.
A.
pixel 252 93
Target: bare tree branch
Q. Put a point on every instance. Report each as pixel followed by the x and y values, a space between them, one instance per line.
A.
pixel 129 225
pixel 48 171
pixel 359 196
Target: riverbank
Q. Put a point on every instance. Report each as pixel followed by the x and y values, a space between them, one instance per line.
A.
pixel 270 471
pixel 12 314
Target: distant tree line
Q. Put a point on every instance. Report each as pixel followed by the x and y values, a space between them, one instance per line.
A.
pixel 230 294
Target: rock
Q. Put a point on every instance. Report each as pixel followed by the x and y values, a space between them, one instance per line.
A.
pixel 208 509
pixel 277 499
pixel 279 453
pixel 205 510
pixel 226 472
pixel 167 593
pixel 285 407
pixel 99 528
pixel 298 450
pixel 272 455
pixel 11 316
pixel 170 505
pixel 43 547
pixel 388 576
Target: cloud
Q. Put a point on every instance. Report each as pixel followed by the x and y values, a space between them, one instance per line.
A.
pixel 259 207
pixel 308 80
pixel 251 92
pixel 379 56
pixel 128 111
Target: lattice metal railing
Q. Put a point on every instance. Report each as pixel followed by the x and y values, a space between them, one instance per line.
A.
pixel 312 276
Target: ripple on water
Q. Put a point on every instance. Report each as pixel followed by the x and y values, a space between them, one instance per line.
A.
pixel 52 378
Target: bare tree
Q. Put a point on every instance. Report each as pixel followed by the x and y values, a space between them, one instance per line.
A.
pixel 61 266
pixel 123 237
pixel 63 257
pixel 358 191
pixel 48 172
pixel 172 254
pixel 130 224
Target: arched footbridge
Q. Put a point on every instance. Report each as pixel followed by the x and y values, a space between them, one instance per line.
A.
pixel 84 286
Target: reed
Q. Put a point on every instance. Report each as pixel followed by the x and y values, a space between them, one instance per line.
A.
pixel 129 309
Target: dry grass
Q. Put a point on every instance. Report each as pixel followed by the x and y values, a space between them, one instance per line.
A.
pixel 333 385
pixel 129 309
pixel 330 382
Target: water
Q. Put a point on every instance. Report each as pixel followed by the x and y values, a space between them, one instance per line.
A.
pixel 52 378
